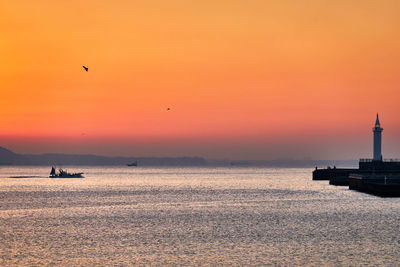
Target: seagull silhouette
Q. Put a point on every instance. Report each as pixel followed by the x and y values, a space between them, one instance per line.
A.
pixel 85 68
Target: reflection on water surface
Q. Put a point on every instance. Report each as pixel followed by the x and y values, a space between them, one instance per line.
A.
pixel 191 216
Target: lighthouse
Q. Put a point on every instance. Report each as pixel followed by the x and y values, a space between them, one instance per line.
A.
pixel 377 139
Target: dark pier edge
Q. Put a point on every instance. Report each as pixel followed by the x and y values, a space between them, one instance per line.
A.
pixel 377 177
pixel 379 185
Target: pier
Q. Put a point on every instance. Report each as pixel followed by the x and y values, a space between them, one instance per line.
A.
pixel 336 176
pixel 376 184
pixel 340 176
pixel 375 176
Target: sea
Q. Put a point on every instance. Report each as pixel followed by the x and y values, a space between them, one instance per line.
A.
pixel 211 216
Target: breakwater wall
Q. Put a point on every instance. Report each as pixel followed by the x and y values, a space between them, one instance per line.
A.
pixel 372 177
pixel 332 173
pixel 379 185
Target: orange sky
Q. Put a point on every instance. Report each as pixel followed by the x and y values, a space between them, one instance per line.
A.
pixel 243 79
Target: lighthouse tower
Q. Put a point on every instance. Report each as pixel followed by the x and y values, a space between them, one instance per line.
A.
pixel 377 140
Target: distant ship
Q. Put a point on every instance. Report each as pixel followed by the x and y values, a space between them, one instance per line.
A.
pixel 132 164
pixel 64 174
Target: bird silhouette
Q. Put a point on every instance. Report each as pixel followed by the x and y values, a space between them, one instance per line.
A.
pixel 168 109
pixel 87 69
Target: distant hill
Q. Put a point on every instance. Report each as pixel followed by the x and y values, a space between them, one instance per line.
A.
pixel 8 157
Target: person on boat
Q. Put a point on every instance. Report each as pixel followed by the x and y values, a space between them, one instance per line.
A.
pixel 62 172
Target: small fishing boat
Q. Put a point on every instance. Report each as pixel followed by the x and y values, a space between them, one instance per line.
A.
pixel 64 174
pixel 132 164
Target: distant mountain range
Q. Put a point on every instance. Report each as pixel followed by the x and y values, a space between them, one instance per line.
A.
pixel 8 157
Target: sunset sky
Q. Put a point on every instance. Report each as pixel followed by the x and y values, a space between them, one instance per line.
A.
pixel 244 79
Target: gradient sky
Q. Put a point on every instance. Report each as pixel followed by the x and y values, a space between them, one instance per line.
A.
pixel 244 79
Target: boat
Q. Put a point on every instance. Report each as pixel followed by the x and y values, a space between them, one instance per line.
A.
pixel 132 164
pixel 64 174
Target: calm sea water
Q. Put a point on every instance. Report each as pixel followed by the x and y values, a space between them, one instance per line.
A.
pixel 191 216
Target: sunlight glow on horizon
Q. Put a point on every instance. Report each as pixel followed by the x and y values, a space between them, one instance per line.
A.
pixel 232 72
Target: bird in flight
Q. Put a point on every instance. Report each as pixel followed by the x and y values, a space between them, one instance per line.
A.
pixel 85 68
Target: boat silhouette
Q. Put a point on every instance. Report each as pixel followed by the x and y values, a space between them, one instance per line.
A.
pixel 132 164
pixel 64 174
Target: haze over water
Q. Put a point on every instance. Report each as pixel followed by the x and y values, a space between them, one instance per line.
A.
pixel 191 216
